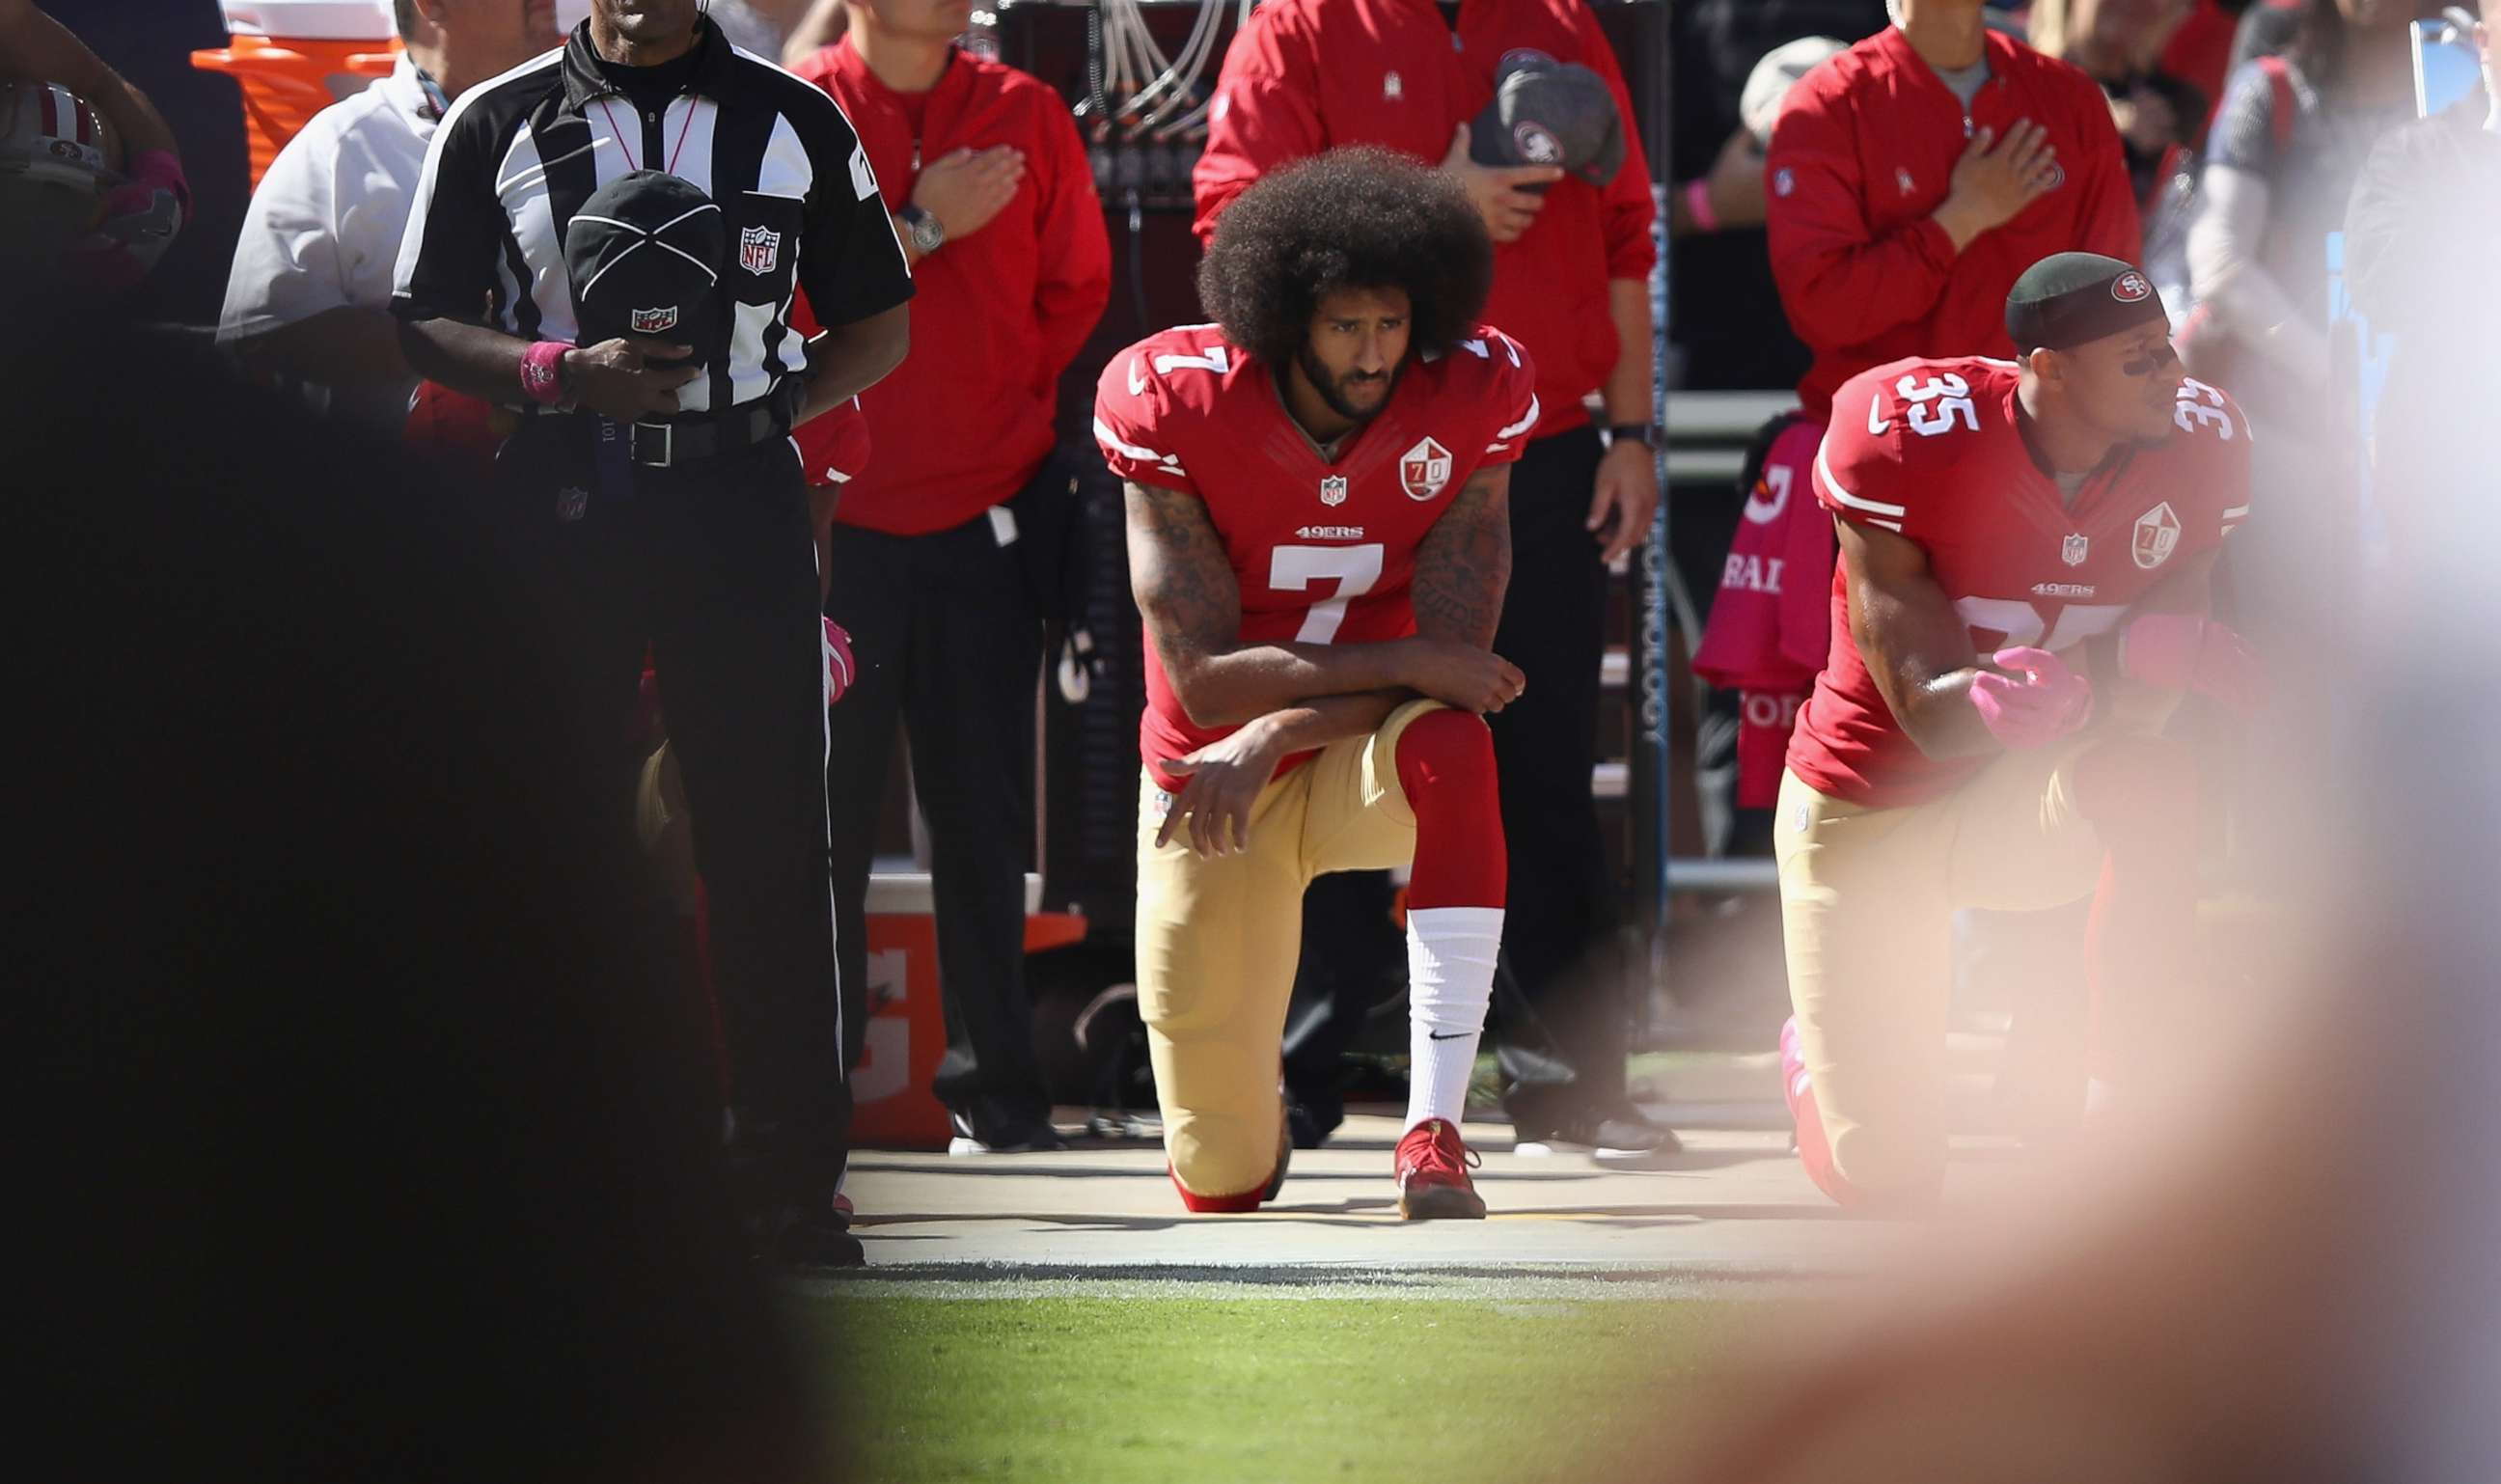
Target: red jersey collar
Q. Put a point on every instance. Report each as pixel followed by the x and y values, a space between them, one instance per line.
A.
pixel 1996 49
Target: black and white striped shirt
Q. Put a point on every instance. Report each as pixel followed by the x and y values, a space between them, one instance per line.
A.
pixel 519 155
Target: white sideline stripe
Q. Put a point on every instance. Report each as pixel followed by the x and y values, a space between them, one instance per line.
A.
pixel 1105 433
pixel 1527 420
pixel 1873 507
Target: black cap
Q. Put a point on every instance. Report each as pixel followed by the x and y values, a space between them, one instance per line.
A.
pixel 1549 112
pixel 646 252
pixel 2069 298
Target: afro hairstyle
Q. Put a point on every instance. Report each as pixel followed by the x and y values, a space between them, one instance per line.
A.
pixel 1351 219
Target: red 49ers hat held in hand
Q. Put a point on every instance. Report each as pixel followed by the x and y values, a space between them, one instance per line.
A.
pixel 645 253
pixel 1549 113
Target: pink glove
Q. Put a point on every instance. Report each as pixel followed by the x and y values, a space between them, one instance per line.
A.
pixel 838 666
pixel 2181 651
pixel 137 223
pixel 2050 702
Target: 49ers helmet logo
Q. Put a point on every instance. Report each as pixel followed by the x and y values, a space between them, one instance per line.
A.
pixel 2130 287
pixel 1425 469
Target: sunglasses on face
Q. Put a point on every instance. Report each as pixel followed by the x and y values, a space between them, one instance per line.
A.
pixel 2160 358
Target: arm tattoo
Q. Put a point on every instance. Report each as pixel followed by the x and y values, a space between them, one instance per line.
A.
pixel 1180 576
pixel 1463 564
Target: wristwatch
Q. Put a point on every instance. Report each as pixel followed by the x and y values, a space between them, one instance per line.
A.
pixel 928 233
pixel 1645 434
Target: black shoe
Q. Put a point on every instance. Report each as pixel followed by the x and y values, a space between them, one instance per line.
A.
pixel 1028 1136
pixel 1303 1127
pixel 1619 1137
pixel 810 1245
pixel 1284 1158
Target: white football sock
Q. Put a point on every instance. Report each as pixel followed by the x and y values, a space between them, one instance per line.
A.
pixel 1449 980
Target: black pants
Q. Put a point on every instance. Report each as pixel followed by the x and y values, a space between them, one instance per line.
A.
pixel 712 566
pixel 1557 1001
pixel 947 638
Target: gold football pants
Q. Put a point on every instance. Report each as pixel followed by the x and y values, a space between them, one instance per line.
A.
pixel 1219 940
pixel 1867 904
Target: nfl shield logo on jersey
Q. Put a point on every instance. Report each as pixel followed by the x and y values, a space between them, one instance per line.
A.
pixel 1425 469
pixel 1333 489
pixel 2157 535
pixel 758 249
pixel 653 322
pixel 2073 551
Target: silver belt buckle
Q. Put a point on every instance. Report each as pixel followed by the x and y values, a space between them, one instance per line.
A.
pixel 667 441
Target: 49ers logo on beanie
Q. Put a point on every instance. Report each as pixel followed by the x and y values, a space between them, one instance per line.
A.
pixel 2130 287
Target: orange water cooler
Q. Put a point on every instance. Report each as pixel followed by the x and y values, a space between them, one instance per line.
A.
pixel 293 58
pixel 907 1025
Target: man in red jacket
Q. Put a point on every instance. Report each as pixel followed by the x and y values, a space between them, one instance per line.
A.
pixel 991 195
pixel 1571 274
pixel 1913 178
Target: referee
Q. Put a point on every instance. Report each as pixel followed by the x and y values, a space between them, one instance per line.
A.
pixel 654 484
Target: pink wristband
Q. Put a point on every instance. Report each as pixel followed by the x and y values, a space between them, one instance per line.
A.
pixel 542 375
pixel 163 168
pixel 1697 205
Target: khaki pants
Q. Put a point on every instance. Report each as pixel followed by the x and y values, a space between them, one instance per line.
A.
pixel 1867 902
pixel 1219 940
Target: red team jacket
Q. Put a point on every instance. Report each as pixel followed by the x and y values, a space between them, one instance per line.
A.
pixel 1930 450
pixel 999 314
pixel 1864 151
pixel 1324 552
pixel 1307 76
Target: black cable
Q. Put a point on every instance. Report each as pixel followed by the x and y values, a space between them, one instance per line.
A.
pixel 1097 106
pixel 1138 266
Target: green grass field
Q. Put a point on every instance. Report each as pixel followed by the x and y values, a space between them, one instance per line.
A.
pixel 1111 1390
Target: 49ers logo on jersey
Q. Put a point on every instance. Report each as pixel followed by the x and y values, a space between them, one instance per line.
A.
pixel 2157 535
pixel 1425 469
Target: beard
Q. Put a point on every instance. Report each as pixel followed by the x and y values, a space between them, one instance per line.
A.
pixel 1333 389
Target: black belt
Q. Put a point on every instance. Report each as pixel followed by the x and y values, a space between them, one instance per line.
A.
pixel 661 443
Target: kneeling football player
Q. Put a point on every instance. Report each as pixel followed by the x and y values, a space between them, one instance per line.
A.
pixel 2022 597
pixel 1319 540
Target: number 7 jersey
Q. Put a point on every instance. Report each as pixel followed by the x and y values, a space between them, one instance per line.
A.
pixel 1931 450
pixel 1322 550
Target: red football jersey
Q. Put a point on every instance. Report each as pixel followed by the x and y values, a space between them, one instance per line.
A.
pixel 1323 551
pixel 1931 450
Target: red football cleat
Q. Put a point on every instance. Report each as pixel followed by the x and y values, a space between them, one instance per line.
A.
pixel 1432 1167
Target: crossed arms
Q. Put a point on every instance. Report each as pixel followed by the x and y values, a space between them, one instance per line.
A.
pixel 1918 649
pixel 1287 696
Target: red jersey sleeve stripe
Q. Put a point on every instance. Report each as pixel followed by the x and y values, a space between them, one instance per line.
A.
pixel 1874 513
pixel 1527 420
